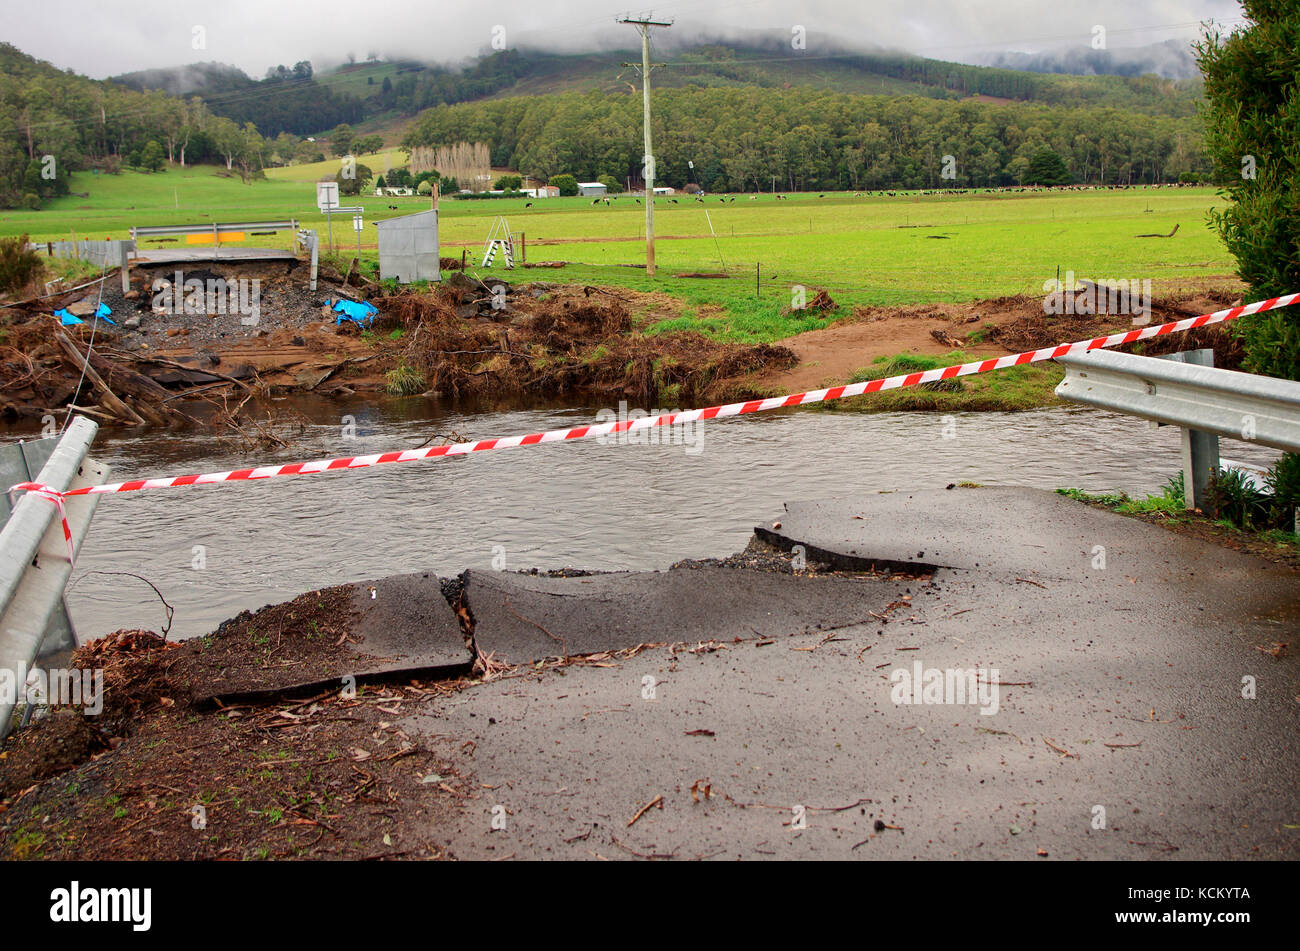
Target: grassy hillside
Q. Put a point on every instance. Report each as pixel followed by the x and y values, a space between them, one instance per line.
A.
pixel 315 171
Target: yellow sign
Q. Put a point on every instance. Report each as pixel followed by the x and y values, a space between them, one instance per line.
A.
pixel 221 238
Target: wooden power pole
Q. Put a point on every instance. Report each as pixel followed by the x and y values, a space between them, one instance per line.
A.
pixel 643 26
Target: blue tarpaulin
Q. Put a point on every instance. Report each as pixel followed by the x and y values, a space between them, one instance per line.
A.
pixel 68 320
pixel 359 312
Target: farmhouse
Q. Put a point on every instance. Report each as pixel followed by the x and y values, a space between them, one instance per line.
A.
pixel 545 191
pixel 592 189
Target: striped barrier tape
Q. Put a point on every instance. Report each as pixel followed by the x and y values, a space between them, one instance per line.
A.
pixel 55 496
pixel 688 416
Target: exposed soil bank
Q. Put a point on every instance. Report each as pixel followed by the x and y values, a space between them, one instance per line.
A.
pixel 464 337
pixel 157 776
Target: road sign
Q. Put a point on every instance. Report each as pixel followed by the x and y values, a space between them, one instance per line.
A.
pixel 327 196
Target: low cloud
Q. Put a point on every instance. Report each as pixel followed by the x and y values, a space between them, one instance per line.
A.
pixel 102 40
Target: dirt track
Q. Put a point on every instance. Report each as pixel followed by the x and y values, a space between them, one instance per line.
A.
pixel 986 328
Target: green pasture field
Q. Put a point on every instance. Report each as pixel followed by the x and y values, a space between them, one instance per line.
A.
pixel 906 249
pixel 315 171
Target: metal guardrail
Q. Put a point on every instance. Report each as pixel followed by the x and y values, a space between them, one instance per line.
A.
pixel 308 241
pixel 215 228
pixel 34 565
pixel 1205 401
pixel 1227 403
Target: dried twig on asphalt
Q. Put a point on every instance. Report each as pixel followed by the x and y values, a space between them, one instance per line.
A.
pixel 622 709
pixel 1063 752
pixel 643 855
pixel 656 801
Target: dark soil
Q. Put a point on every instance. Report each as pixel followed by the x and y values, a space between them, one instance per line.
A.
pixel 1035 329
pixel 153 777
pixel 306 635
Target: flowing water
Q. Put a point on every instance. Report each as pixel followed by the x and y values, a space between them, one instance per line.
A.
pixel 218 549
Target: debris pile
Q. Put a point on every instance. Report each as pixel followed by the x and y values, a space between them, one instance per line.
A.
pixel 473 337
pixel 166 363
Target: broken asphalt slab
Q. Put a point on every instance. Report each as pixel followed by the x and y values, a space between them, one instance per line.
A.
pixel 1123 727
pixel 520 618
pixel 400 625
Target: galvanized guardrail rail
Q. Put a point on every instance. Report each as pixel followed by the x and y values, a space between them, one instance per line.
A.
pixel 34 565
pixel 1203 400
pixel 214 229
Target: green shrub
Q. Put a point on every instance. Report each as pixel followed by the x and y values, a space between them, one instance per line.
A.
pixel 1284 480
pixel 1234 497
pixel 19 266
pixel 404 380
pixel 567 184
pixel 1173 490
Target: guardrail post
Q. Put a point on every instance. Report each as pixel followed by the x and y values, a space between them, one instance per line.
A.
pixel 1200 450
pixel 34 564
pixel 315 258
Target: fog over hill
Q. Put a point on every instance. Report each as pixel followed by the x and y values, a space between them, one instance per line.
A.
pixel 1172 59
pixel 100 40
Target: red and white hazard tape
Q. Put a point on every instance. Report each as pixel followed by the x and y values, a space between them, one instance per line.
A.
pixel 694 415
pixel 55 496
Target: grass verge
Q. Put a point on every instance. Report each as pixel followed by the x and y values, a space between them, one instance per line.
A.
pixel 1010 390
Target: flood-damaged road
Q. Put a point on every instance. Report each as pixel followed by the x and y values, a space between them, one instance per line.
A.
pixel 1128 700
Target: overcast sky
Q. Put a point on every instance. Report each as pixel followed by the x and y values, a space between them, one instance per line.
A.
pixel 103 39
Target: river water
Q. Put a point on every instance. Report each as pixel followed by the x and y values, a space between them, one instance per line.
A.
pixel 218 549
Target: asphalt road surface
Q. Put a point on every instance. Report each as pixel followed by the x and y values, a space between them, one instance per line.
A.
pixel 1124 704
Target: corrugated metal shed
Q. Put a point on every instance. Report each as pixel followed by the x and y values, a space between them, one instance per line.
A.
pixel 408 247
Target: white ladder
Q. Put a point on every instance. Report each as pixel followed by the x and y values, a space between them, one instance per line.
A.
pixel 499 237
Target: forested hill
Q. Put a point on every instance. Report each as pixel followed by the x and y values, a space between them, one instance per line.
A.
pixel 799 138
pixel 289 99
pixel 293 99
pixel 54 122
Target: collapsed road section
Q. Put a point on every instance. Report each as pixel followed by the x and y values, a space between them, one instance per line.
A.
pixel 1049 680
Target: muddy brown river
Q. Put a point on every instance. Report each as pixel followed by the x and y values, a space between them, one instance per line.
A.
pixel 218 549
